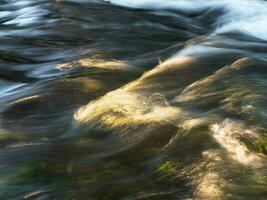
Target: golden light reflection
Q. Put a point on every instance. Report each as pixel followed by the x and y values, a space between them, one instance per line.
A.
pixel 98 63
pixel 208 179
pixel 228 135
pixel 124 107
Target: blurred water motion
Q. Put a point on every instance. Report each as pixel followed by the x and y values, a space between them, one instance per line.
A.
pixel 131 100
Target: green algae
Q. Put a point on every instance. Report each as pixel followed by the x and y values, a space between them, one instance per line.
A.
pixel 166 167
pixel 261 146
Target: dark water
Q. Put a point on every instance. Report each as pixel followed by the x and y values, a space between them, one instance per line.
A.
pixel 133 100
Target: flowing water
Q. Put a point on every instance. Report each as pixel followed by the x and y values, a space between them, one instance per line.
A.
pixel 133 99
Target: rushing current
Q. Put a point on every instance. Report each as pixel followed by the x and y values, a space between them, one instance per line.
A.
pixel 133 99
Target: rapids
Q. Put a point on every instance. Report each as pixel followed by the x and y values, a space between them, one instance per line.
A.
pixel 133 99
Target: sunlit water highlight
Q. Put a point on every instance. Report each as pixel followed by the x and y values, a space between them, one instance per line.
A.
pixel 131 100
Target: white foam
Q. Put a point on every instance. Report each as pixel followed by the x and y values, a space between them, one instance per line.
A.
pixel 187 5
pixel 249 17
pixel 256 27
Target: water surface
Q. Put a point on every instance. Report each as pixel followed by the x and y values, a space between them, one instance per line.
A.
pixel 133 100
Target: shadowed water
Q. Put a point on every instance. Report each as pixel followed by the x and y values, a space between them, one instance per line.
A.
pixel 133 100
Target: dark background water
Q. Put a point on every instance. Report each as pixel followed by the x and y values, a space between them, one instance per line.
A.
pixel 100 101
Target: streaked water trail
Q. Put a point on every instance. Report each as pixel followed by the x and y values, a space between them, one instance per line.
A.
pixel 131 100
